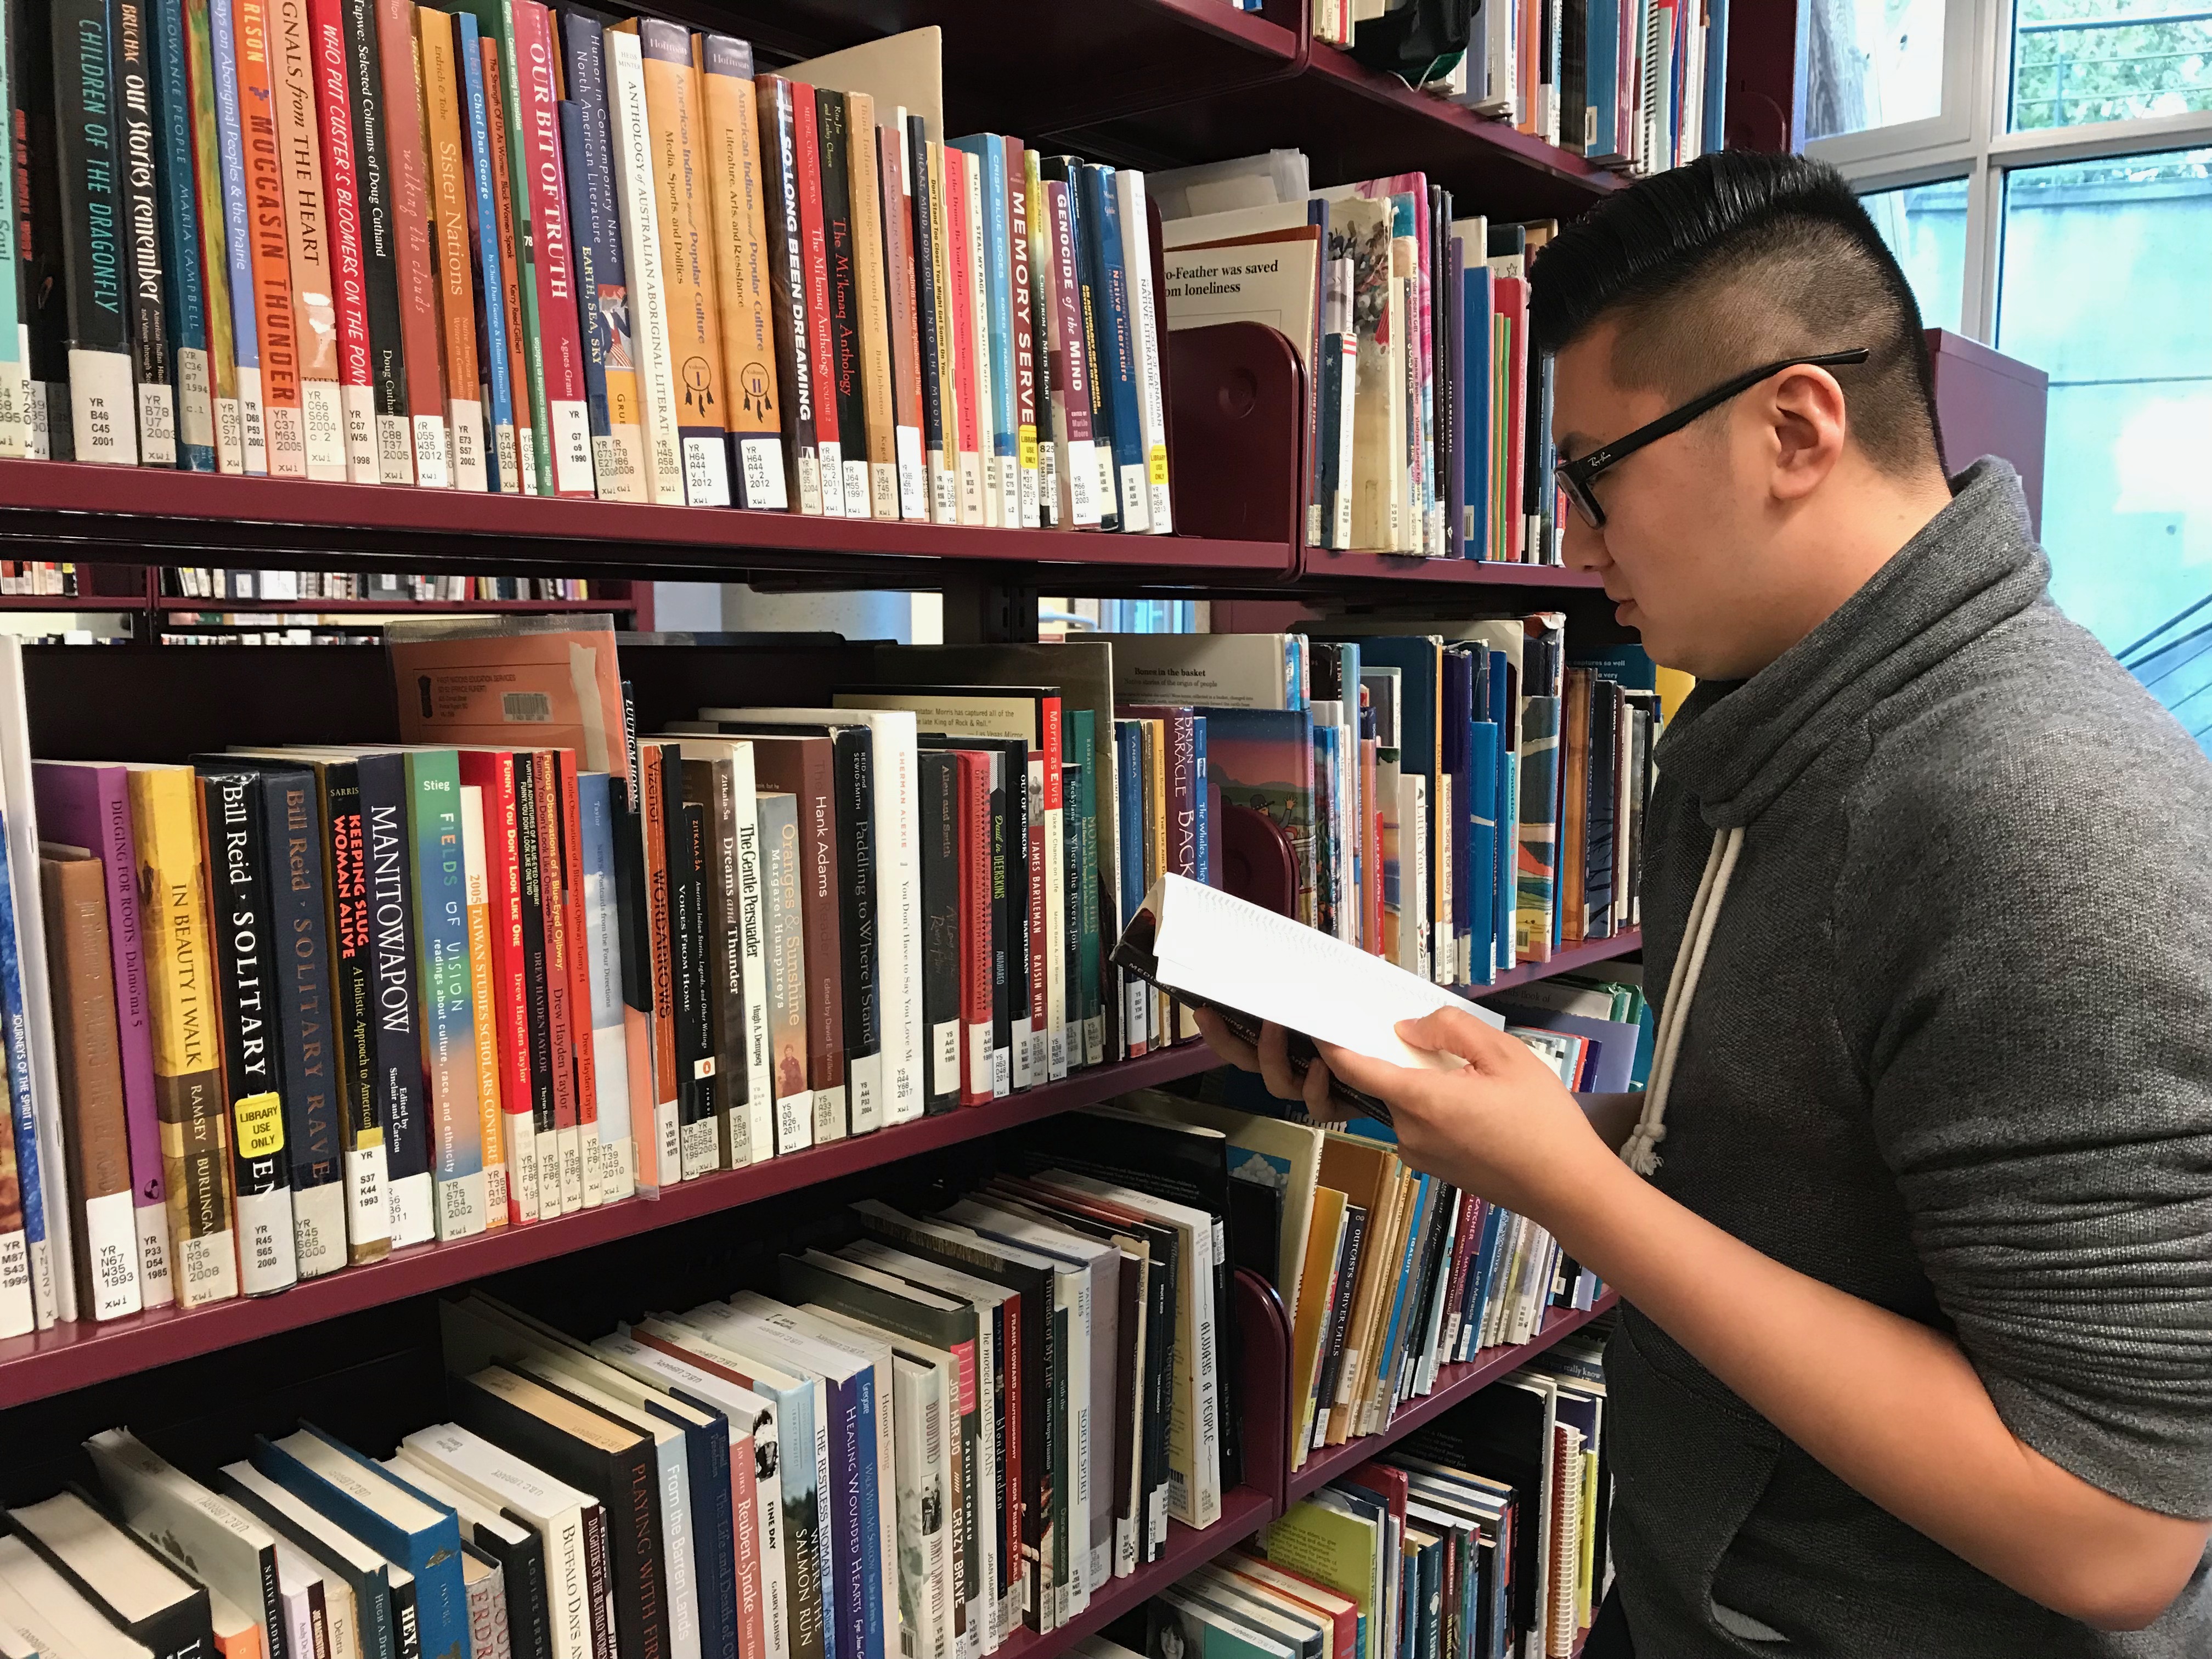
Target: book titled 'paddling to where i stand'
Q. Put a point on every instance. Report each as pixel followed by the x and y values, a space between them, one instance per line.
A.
pixel 1250 965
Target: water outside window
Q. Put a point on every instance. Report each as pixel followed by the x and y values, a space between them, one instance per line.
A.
pixel 1871 63
pixel 2076 61
pixel 1925 227
pixel 2103 287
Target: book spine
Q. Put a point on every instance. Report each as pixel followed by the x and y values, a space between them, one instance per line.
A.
pixel 749 943
pixel 923 222
pixel 1091 320
pixel 603 302
pixel 1144 335
pixel 641 232
pixel 896 210
pixel 603 942
pixel 1022 364
pixel 498 982
pixel 14 160
pixel 789 321
pixel 840 256
pixel 1069 371
pixel 184 294
pixel 1113 323
pixel 334 105
pixel 667 1158
pixel 369 1205
pixel 314 1141
pixel 1005 945
pixel 942 220
pixel 565 430
pixel 202 163
pixel 544 1130
pixel 449 198
pixel 987 156
pixel 742 267
pixel 696 1119
pixel 814 259
pixel 510 273
pixel 1087 757
pixel 376 236
pixel 787 978
pixel 1041 310
pixel 713 786
pixel 545 790
pixel 982 210
pixel 239 891
pixel 864 200
pixel 407 158
pixel 398 1048
pixel 672 103
pixel 151 364
pixel 315 327
pixel 187 1070
pixel 942 854
pixel 445 975
pixel 503 457
pixel 40 1185
pixel 505 24
pixel 103 405
pixel 569 844
pixel 282 418
pixel 971 420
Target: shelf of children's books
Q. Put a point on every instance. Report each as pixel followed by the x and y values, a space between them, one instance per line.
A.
pixel 1453 1384
pixel 1565 959
pixel 78 1355
pixel 1244 1511
pixel 285 521
pixel 1324 565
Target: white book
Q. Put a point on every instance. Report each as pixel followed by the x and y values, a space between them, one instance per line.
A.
pixel 925 1563
pixel 298 1600
pixel 641 232
pixel 215 1542
pixel 1151 410
pixel 124 1576
pixel 903 1088
pixel 295 1525
pixel 754 1414
pixel 554 1510
pixel 47 1612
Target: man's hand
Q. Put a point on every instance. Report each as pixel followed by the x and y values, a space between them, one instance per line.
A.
pixel 1501 1126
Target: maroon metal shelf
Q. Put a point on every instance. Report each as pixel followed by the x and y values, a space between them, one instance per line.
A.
pixel 1565 960
pixel 1328 566
pixel 77 1355
pixel 170 605
pixel 1453 1384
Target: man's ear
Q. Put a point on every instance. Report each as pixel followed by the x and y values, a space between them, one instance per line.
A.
pixel 1808 420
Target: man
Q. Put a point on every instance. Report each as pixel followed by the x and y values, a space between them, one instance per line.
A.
pixel 1913 1228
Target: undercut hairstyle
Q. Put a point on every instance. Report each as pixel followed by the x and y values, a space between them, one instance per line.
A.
pixel 1737 259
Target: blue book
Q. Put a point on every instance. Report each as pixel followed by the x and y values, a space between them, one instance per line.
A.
pixel 1129 767
pixel 39 1280
pixel 184 294
pixel 376 1507
pixel 1116 364
pixel 588 154
pixel 1475 406
pixel 1499 702
pixel 238 246
pixel 714 1537
pixel 1482 856
pixel 1328 850
pixel 989 151
pixel 1602 34
pixel 1717 28
pixel 1386 1362
pixel 1458 706
pixel 448 1039
pixel 506 474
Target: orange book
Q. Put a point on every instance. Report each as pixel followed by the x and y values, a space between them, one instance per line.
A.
pixel 283 421
pixel 731 124
pixel 945 503
pixel 449 226
pixel 510 276
pixel 879 418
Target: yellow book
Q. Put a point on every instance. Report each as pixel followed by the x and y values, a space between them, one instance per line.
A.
pixel 1324 1239
pixel 491 1119
pixel 1336 1550
pixel 450 194
pixel 187 1031
pixel 730 120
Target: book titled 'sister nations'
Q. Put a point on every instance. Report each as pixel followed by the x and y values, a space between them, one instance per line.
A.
pixel 442 123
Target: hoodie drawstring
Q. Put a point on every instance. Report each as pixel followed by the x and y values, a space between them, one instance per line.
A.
pixel 1641 1152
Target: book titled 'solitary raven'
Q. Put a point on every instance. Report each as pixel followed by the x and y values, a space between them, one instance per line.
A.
pixel 95 251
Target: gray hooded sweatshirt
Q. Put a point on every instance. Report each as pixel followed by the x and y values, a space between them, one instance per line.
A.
pixel 1950 1050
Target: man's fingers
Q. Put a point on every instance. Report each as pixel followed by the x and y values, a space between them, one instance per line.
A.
pixel 1369 1076
pixel 1275 1064
pixel 1317 1081
pixel 1231 1048
pixel 1453 1031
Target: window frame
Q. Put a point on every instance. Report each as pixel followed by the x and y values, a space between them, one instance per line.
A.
pixel 1970 140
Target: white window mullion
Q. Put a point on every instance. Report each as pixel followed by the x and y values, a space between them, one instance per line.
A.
pixel 1984 250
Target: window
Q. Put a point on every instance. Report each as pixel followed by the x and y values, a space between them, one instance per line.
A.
pixel 2044 179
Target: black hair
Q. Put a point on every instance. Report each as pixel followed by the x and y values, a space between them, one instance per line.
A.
pixel 1737 259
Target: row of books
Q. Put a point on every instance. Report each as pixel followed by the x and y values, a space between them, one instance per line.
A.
pixel 202 582
pixel 953 1426
pixel 236 633
pixel 1459 802
pixel 566 258
pixel 38 576
pixel 1482 1535
pixel 1428 416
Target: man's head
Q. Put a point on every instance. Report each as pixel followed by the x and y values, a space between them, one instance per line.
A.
pixel 1731 539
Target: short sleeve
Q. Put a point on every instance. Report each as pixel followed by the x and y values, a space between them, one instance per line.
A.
pixel 2024 949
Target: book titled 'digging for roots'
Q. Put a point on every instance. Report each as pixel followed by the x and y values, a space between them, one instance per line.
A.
pixel 1212 949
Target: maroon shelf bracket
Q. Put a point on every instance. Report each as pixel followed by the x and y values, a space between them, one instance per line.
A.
pixel 1263 1402
pixel 1236 431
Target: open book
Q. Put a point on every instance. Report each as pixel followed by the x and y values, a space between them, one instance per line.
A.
pixel 1212 949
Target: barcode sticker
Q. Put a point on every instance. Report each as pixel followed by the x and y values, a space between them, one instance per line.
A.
pixel 528 707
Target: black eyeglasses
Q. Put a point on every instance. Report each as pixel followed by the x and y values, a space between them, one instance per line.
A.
pixel 1575 477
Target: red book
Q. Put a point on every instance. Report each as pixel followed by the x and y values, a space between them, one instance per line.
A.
pixel 421 336
pixel 1510 297
pixel 283 423
pixel 1040 938
pixel 560 340
pixel 975 926
pixel 1340 1613
pixel 579 966
pixel 1463 1248
pixel 349 271
pixel 814 244
pixel 492 770
pixel 545 778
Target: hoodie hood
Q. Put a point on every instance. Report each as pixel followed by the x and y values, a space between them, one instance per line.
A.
pixel 1737 744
